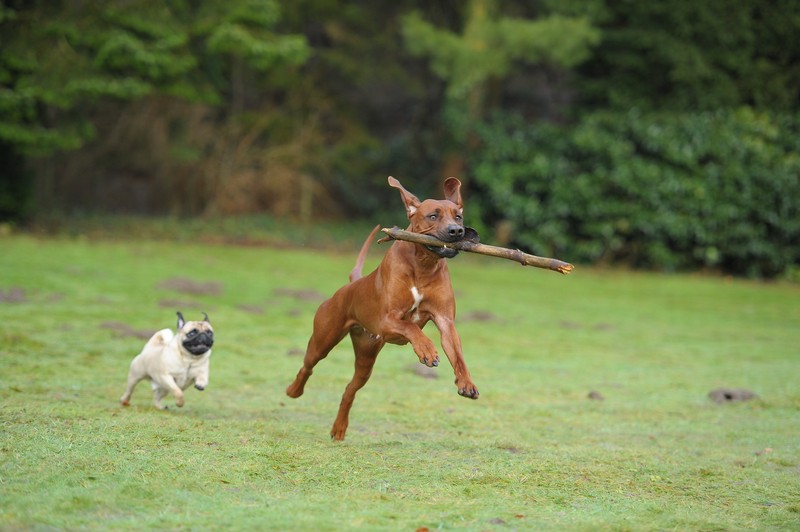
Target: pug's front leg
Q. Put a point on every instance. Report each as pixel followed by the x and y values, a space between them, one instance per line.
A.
pixel 164 385
pixel 201 380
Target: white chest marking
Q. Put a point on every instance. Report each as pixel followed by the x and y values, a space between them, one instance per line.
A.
pixel 417 301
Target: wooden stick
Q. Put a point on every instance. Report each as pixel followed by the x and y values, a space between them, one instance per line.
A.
pixel 474 247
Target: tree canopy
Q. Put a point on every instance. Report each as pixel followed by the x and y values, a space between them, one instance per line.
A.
pixel 59 58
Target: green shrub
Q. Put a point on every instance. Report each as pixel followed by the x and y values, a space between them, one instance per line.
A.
pixel 668 191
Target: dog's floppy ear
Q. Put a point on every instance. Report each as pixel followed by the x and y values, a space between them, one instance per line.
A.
pixel 410 200
pixel 452 191
pixel 205 316
pixel 181 321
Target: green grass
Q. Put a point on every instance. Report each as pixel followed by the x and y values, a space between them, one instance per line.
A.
pixel 533 453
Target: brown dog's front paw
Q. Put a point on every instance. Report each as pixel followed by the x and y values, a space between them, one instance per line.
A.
pixel 469 391
pixel 426 352
pixel 431 363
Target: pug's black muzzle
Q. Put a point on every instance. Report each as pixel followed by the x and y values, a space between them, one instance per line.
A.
pixel 199 343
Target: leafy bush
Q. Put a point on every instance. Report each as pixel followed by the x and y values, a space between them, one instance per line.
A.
pixel 668 191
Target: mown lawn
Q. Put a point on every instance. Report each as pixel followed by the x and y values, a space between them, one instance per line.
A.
pixel 651 451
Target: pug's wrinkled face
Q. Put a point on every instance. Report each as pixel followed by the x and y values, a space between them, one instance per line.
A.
pixel 196 337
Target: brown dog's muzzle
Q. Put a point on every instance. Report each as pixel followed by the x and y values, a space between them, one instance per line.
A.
pixel 450 233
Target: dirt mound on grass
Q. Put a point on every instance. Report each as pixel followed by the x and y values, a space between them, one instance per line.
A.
pixel 300 294
pixel 188 286
pixel 731 395
pixel 13 295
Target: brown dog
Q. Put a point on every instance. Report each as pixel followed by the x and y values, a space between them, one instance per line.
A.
pixel 410 287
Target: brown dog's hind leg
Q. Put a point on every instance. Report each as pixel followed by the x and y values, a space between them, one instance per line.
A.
pixel 329 330
pixel 366 347
pixel 314 353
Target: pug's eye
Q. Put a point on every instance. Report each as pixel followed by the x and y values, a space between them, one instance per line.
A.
pixel 192 333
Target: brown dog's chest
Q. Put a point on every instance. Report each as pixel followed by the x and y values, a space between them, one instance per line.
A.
pixel 417 311
pixel 415 308
pixel 421 302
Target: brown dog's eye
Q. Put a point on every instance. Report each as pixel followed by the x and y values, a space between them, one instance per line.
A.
pixel 432 216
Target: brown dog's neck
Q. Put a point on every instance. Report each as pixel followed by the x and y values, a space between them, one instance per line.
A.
pixel 423 261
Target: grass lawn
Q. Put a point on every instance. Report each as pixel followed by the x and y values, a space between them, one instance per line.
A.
pixel 651 451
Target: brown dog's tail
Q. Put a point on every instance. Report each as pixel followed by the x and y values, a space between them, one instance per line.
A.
pixel 355 273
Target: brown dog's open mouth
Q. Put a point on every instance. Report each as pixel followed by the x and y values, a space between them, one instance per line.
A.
pixel 447 252
pixel 443 252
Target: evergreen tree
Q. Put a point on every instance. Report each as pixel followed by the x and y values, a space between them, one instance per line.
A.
pixel 59 60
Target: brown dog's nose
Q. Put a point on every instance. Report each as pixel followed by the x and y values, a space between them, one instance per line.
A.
pixel 456 232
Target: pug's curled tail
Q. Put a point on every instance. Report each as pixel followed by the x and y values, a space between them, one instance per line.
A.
pixel 355 273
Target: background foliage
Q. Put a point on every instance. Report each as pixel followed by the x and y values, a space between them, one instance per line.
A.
pixel 677 191
pixel 301 109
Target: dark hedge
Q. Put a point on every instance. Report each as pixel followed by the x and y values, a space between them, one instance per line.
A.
pixel 689 191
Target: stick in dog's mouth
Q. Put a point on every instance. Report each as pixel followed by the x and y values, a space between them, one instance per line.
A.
pixel 473 245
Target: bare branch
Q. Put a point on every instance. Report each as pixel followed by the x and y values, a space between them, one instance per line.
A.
pixel 475 247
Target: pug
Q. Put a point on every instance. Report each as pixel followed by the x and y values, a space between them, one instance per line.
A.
pixel 173 361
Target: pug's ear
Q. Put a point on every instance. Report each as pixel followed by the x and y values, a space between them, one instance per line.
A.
pixel 205 316
pixel 181 321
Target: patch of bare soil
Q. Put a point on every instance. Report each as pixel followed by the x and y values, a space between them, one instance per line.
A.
pixel 513 449
pixel 479 316
pixel 188 286
pixel 13 295
pixel 731 395
pixel 123 330
pixel 178 304
pixel 299 294
pixel 251 309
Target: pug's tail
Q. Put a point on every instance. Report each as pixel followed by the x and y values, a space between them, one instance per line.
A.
pixel 355 273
